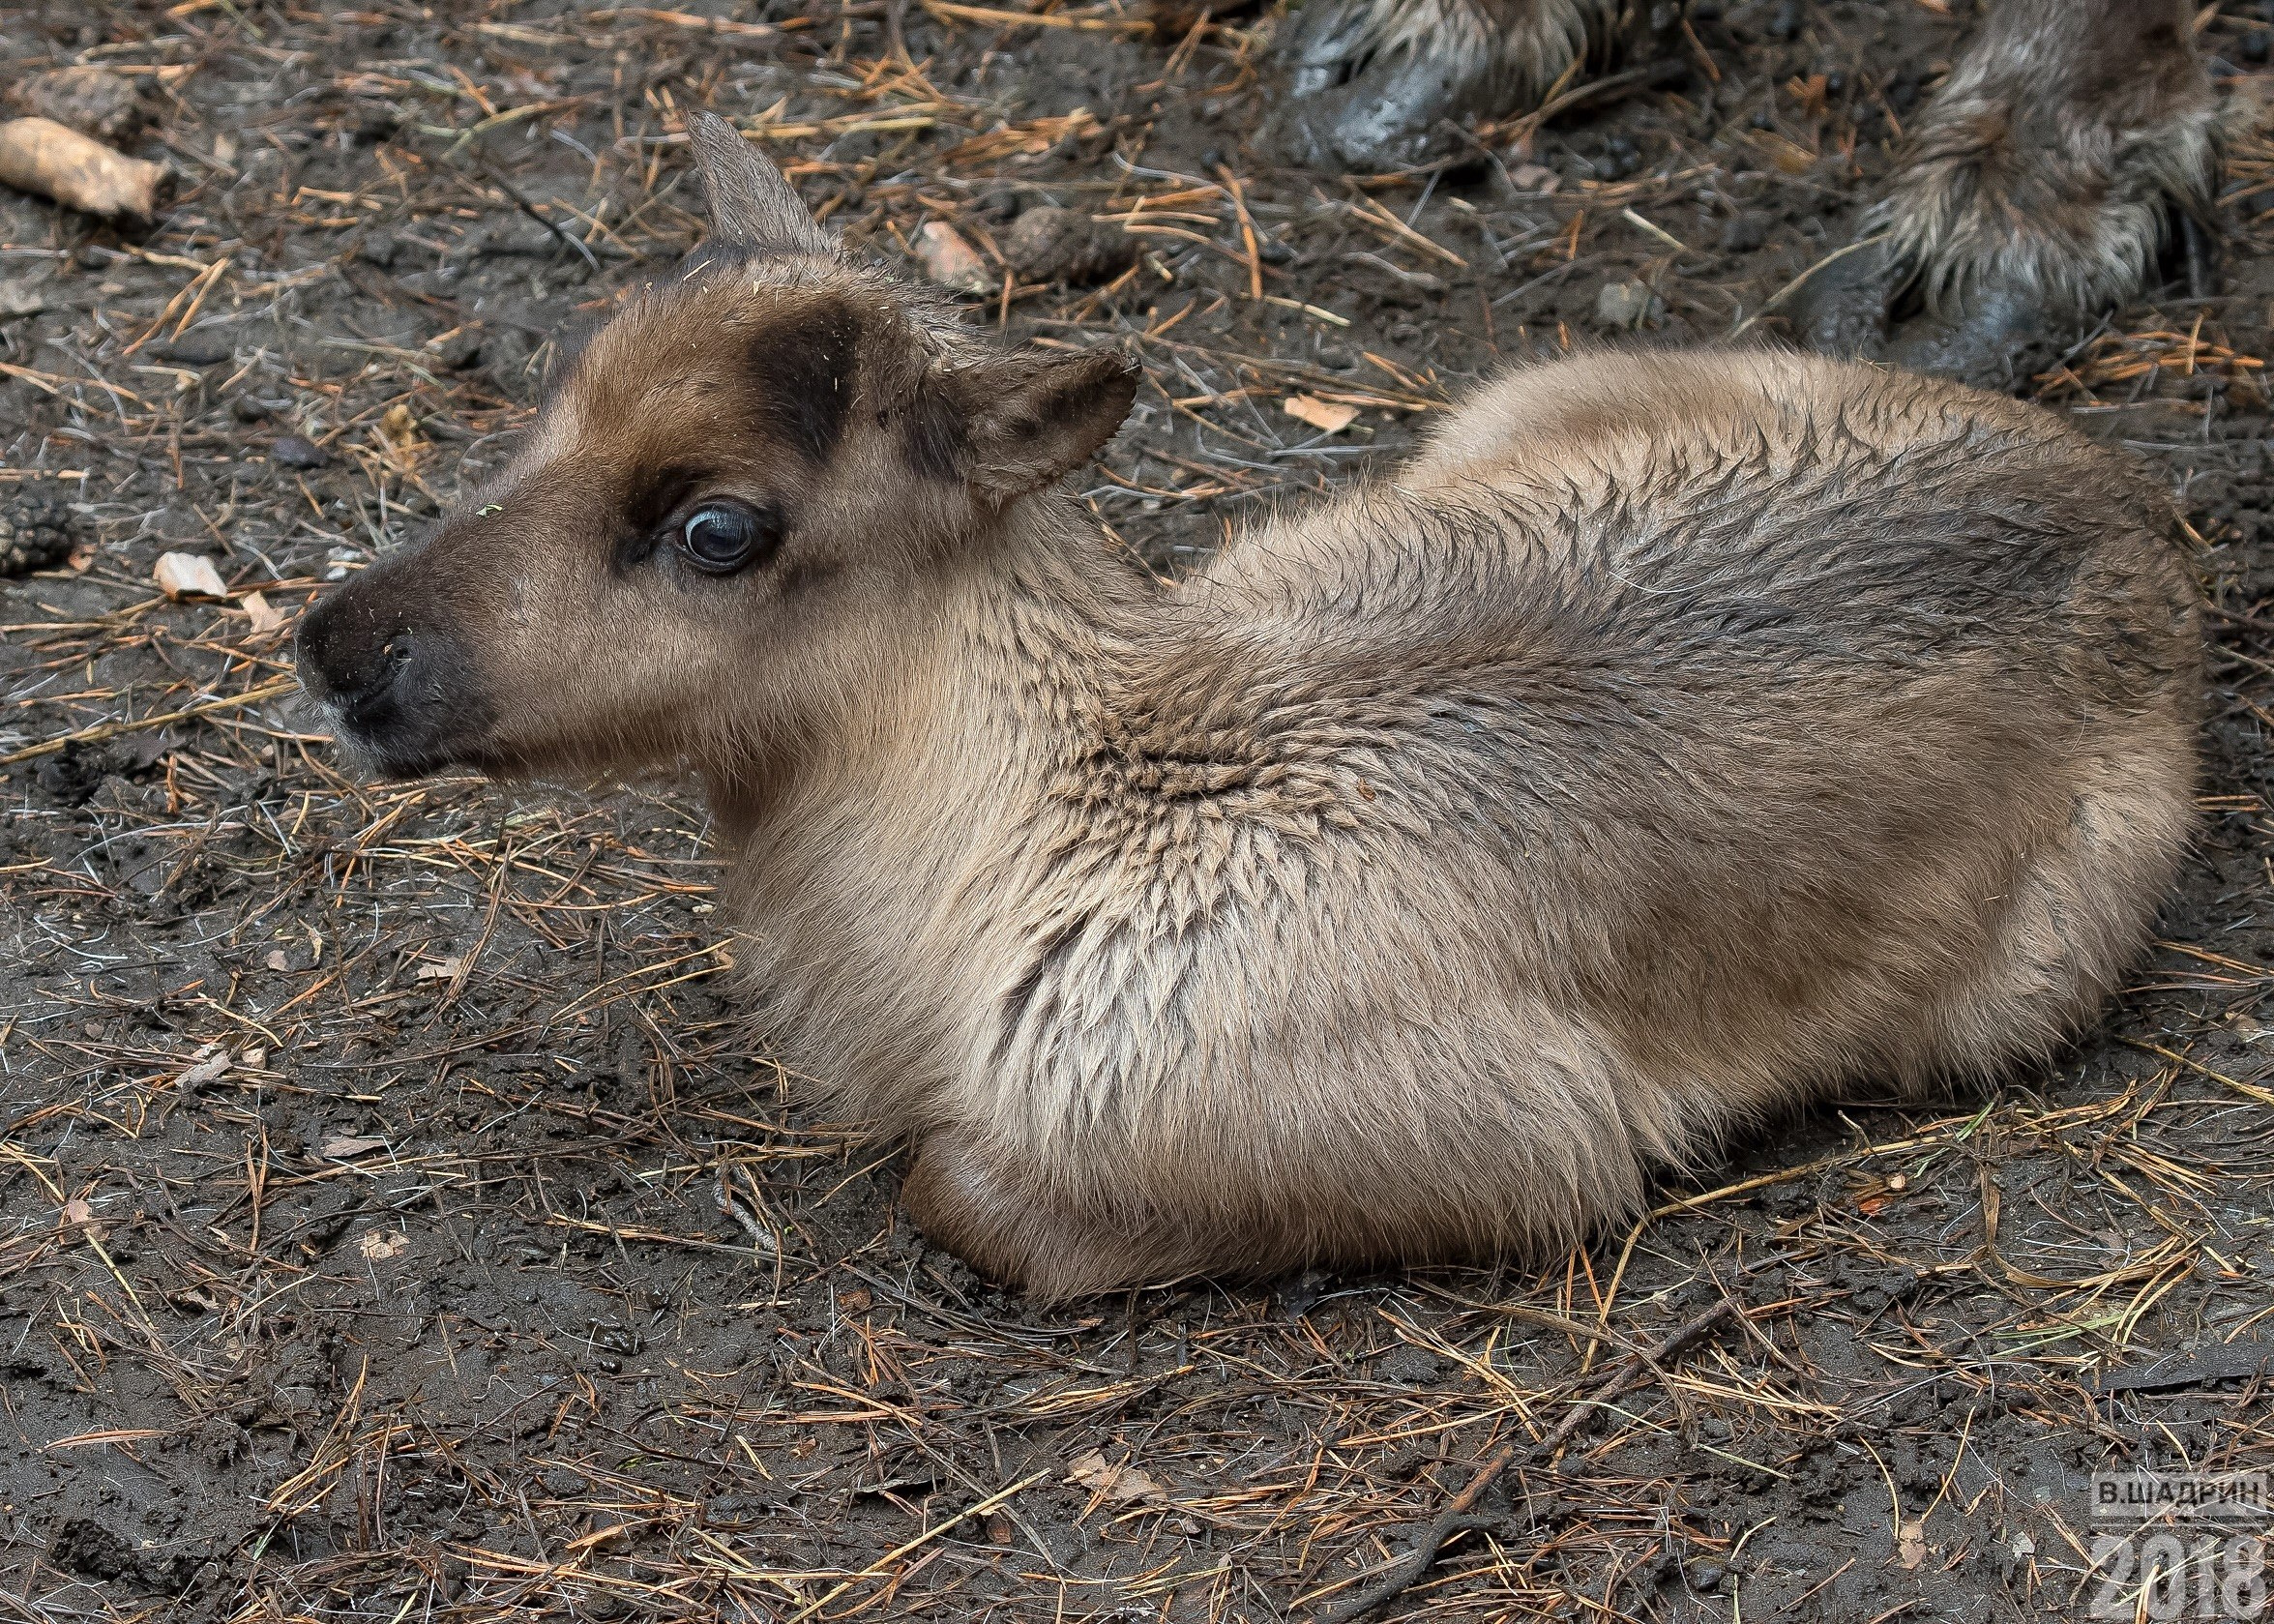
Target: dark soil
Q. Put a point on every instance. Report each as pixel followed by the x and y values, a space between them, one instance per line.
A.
pixel 399 1216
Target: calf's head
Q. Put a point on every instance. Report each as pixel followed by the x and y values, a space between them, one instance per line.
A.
pixel 731 504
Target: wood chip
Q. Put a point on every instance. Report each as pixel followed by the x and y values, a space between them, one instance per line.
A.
pixel 1910 1543
pixel 1326 416
pixel 188 574
pixel 211 1063
pixel 40 155
pixel 267 619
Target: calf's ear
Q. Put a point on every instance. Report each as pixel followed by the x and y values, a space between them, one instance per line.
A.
pixel 754 209
pixel 1036 415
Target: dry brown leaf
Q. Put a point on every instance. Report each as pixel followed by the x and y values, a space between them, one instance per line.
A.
pixel 1123 1485
pixel 438 969
pixel 1910 1543
pixel 378 1246
pixel 397 435
pixel 1329 417
pixel 1788 155
pixel 346 1146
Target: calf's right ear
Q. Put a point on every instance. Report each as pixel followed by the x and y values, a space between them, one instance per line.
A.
pixel 1036 415
pixel 754 209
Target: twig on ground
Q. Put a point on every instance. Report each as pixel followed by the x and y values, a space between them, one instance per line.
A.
pixel 1456 1517
pixel 103 730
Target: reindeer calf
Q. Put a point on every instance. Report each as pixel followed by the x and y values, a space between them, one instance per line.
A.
pixel 1676 739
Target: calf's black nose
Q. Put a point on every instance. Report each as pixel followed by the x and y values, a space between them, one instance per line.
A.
pixel 352 658
pixel 385 656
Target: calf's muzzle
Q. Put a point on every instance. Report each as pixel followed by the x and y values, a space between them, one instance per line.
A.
pixel 391 673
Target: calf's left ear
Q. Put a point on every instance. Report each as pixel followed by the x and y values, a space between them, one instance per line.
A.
pixel 1036 415
pixel 754 209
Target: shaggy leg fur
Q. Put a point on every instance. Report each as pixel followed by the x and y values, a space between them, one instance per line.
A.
pixel 1371 83
pixel 2038 188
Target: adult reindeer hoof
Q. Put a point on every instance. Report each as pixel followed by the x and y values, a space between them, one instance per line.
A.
pixel 1361 93
pixel 2002 339
pixel 1370 83
pixel 2051 179
pixel 1860 304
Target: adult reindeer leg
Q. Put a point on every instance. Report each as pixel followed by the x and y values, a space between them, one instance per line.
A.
pixel 2069 148
pixel 1369 83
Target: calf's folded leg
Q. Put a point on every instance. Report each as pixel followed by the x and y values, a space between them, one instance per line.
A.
pixel 968 1199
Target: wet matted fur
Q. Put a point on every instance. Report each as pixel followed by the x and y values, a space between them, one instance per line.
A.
pixel 1678 739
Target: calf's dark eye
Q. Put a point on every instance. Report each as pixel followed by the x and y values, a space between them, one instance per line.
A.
pixel 722 536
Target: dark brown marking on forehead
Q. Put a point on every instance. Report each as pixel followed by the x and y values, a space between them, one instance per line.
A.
pixel 801 368
pixel 932 436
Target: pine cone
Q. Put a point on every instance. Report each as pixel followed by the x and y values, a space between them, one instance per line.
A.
pixel 36 530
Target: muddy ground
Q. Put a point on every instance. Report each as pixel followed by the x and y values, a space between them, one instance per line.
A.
pixel 400 1218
